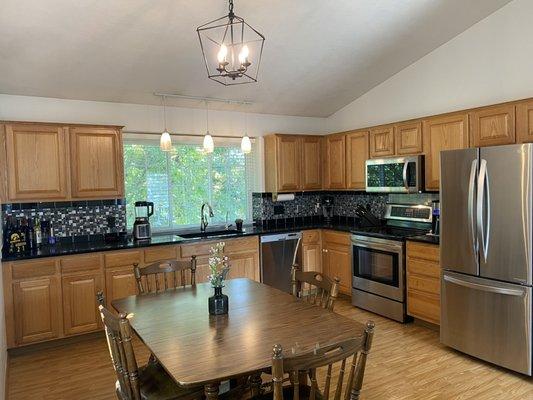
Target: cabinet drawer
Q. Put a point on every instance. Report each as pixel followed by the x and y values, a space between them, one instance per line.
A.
pixel 122 258
pixel 249 244
pixel 423 284
pixel 80 263
pixel 423 251
pixel 336 237
pixel 423 306
pixel 33 269
pixel 160 253
pixel 311 237
pixel 423 267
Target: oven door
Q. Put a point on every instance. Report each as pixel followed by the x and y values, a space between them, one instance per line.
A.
pixel 394 175
pixel 378 266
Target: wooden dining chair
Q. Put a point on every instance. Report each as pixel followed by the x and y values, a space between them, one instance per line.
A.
pixel 133 383
pixel 314 287
pixel 321 373
pixel 163 275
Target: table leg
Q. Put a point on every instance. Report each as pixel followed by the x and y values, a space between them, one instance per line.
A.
pixel 211 390
pixel 255 384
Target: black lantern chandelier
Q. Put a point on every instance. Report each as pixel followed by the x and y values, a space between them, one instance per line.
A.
pixel 232 49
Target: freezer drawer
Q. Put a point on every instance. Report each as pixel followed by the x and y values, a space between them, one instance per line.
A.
pixel 487 319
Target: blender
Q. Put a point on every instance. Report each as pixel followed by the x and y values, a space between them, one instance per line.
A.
pixel 141 227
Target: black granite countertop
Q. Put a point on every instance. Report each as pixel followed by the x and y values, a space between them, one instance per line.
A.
pixel 63 249
pixel 431 239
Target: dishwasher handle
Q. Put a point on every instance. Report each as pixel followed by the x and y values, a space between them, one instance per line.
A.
pixel 281 237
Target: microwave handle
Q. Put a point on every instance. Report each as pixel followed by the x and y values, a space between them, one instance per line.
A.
pixel 404 175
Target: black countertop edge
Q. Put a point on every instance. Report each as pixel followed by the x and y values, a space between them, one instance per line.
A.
pixel 431 239
pixel 65 249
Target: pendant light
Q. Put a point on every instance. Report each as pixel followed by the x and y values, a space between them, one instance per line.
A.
pixel 165 143
pixel 209 145
pixel 246 144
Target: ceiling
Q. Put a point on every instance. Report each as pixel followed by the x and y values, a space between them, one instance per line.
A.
pixel 319 55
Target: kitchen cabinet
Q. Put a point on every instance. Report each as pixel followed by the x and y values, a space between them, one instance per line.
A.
pixel 336 258
pixel 311 251
pixel 382 141
pixel 119 277
pixel 37 162
pixel 32 297
pixel 293 162
pixel 423 281
pixel 408 138
pixel 335 161
pixel 448 132
pixel 244 265
pixel 491 126
pixel 357 152
pixel 524 121
pixel 3 165
pixel 96 162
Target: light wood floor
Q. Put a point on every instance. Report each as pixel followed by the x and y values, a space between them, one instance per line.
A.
pixel 406 362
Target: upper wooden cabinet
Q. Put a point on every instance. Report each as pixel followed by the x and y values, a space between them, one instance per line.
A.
pixel 356 155
pixel 408 138
pixel 293 162
pixel 37 162
pixel 335 162
pixel 491 126
pixel 96 162
pixel 382 141
pixel 524 122
pixel 442 133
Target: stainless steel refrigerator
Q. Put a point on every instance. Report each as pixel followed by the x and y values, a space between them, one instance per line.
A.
pixel 486 253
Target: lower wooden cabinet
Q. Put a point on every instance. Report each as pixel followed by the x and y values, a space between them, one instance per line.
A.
pixel 423 281
pixel 80 312
pixel 119 277
pixel 311 251
pixel 336 261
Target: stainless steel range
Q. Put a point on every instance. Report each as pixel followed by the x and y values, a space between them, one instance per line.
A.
pixel 378 260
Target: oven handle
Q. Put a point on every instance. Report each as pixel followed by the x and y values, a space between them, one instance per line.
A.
pixel 378 246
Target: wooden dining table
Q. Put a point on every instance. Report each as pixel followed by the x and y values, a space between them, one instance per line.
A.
pixel 196 348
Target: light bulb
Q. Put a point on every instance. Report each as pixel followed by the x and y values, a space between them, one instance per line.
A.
pixel 222 53
pixel 209 145
pixel 246 144
pixel 165 143
pixel 243 55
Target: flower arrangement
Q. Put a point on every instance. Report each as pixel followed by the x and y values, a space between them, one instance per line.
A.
pixel 218 265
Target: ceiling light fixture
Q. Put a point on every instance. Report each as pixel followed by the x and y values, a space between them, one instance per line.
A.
pixel 229 45
pixel 165 143
pixel 246 144
pixel 209 145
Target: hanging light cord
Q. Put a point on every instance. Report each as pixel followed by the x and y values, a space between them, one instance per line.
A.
pixel 231 14
pixel 207 115
pixel 164 112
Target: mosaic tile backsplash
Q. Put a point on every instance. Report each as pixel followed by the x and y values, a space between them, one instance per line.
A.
pixel 309 204
pixel 71 219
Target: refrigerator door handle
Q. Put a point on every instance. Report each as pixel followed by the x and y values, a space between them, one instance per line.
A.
pixel 483 197
pixel 471 200
pixel 404 175
pixel 485 288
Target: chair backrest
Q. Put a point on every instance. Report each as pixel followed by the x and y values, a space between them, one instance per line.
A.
pixel 163 275
pixel 119 335
pixel 314 287
pixel 351 354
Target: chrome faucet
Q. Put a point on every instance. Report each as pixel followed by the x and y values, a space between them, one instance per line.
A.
pixel 204 222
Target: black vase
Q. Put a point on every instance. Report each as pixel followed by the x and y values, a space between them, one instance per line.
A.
pixel 218 303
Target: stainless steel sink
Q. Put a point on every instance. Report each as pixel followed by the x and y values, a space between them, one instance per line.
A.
pixel 207 234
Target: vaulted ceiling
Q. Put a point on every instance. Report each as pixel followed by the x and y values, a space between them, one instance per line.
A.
pixel 319 55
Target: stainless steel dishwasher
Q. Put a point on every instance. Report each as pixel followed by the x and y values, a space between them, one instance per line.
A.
pixel 278 252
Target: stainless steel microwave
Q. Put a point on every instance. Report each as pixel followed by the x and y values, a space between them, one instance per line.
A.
pixel 395 175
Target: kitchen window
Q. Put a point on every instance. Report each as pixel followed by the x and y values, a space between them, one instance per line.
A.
pixel 178 182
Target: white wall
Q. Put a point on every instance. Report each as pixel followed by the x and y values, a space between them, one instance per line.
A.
pixel 491 62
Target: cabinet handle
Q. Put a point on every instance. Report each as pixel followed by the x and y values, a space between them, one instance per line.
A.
pixel 324 250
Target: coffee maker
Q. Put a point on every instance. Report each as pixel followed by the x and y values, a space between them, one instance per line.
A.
pixel 141 227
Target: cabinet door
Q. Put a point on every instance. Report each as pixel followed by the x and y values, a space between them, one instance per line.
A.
pixel 492 126
pixel 356 155
pixel 289 160
pixel 36 162
pixel 80 313
pixel 442 133
pixel 524 122
pixel 312 257
pixel 336 259
pixel 96 162
pixel 120 282
pixel 311 171
pixel 244 265
pixel 409 138
pixel 335 165
pixel 382 142
pixel 37 310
